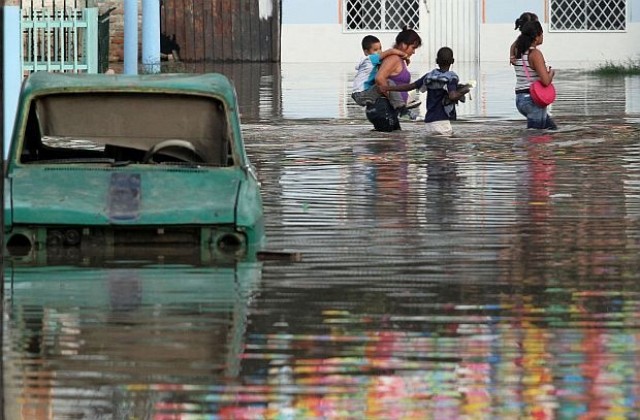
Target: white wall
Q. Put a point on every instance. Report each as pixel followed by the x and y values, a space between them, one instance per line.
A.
pixel 327 43
pixel 594 48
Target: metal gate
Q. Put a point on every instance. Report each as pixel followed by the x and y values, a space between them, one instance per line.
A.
pixel 454 24
pixel 61 38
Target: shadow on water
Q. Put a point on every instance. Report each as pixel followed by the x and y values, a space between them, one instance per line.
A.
pixel 494 274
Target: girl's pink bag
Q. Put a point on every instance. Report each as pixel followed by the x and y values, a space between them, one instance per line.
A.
pixel 540 94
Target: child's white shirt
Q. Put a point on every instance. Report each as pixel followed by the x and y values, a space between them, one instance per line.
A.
pixel 366 71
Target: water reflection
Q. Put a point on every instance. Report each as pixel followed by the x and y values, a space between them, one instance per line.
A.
pixel 122 340
pixel 491 275
pixel 270 91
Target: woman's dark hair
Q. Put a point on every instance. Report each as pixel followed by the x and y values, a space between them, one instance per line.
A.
pixel 528 34
pixel 409 37
pixel 524 18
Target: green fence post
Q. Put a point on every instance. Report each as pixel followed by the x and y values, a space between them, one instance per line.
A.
pixel 91 41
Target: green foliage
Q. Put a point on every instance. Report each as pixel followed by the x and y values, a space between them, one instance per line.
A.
pixel 609 68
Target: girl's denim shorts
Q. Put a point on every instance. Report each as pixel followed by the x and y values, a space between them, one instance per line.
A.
pixel 537 116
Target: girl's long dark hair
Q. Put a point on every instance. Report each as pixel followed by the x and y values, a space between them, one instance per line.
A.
pixel 528 34
pixel 524 18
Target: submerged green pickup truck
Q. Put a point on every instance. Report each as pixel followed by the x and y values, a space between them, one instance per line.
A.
pixel 116 160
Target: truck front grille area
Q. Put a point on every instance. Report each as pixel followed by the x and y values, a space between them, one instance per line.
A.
pixel 125 241
pixel 70 236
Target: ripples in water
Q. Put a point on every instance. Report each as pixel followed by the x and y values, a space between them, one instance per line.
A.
pixel 493 275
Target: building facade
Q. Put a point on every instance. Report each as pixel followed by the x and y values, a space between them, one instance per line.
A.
pixel 330 30
pixel 592 31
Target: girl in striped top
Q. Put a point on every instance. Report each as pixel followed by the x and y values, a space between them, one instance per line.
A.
pixel 528 55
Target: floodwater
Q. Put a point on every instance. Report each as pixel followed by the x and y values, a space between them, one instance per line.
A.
pixel 491 275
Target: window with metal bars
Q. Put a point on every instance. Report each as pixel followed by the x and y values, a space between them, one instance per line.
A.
pixel 381 15
pixel 56 4
pixel 588 15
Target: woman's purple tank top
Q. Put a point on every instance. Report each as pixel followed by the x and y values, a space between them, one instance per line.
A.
pixel 402 78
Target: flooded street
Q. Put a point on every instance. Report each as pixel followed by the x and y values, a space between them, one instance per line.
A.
pixel 490 275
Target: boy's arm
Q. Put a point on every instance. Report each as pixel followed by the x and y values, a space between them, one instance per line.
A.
pixel 457 91
pixel 392 51
pixel 402 88
pixel 398 88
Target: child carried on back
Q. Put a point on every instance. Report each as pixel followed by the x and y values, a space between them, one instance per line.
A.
pixel 364 88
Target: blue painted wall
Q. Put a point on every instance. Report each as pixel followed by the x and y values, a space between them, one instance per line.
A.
pixel 309 11
pixel 508 11
pixel 496 11
pixel 326 11
pixel 634 10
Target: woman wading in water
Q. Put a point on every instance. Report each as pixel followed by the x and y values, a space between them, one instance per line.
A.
pixel 383 114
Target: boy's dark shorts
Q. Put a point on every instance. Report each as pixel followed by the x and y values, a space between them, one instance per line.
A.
pixel 369 96
pixel 366 97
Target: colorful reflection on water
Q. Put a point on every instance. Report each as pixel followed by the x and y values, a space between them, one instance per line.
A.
pixel 493 275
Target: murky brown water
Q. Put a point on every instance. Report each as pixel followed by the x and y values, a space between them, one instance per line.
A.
pixel 494 275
